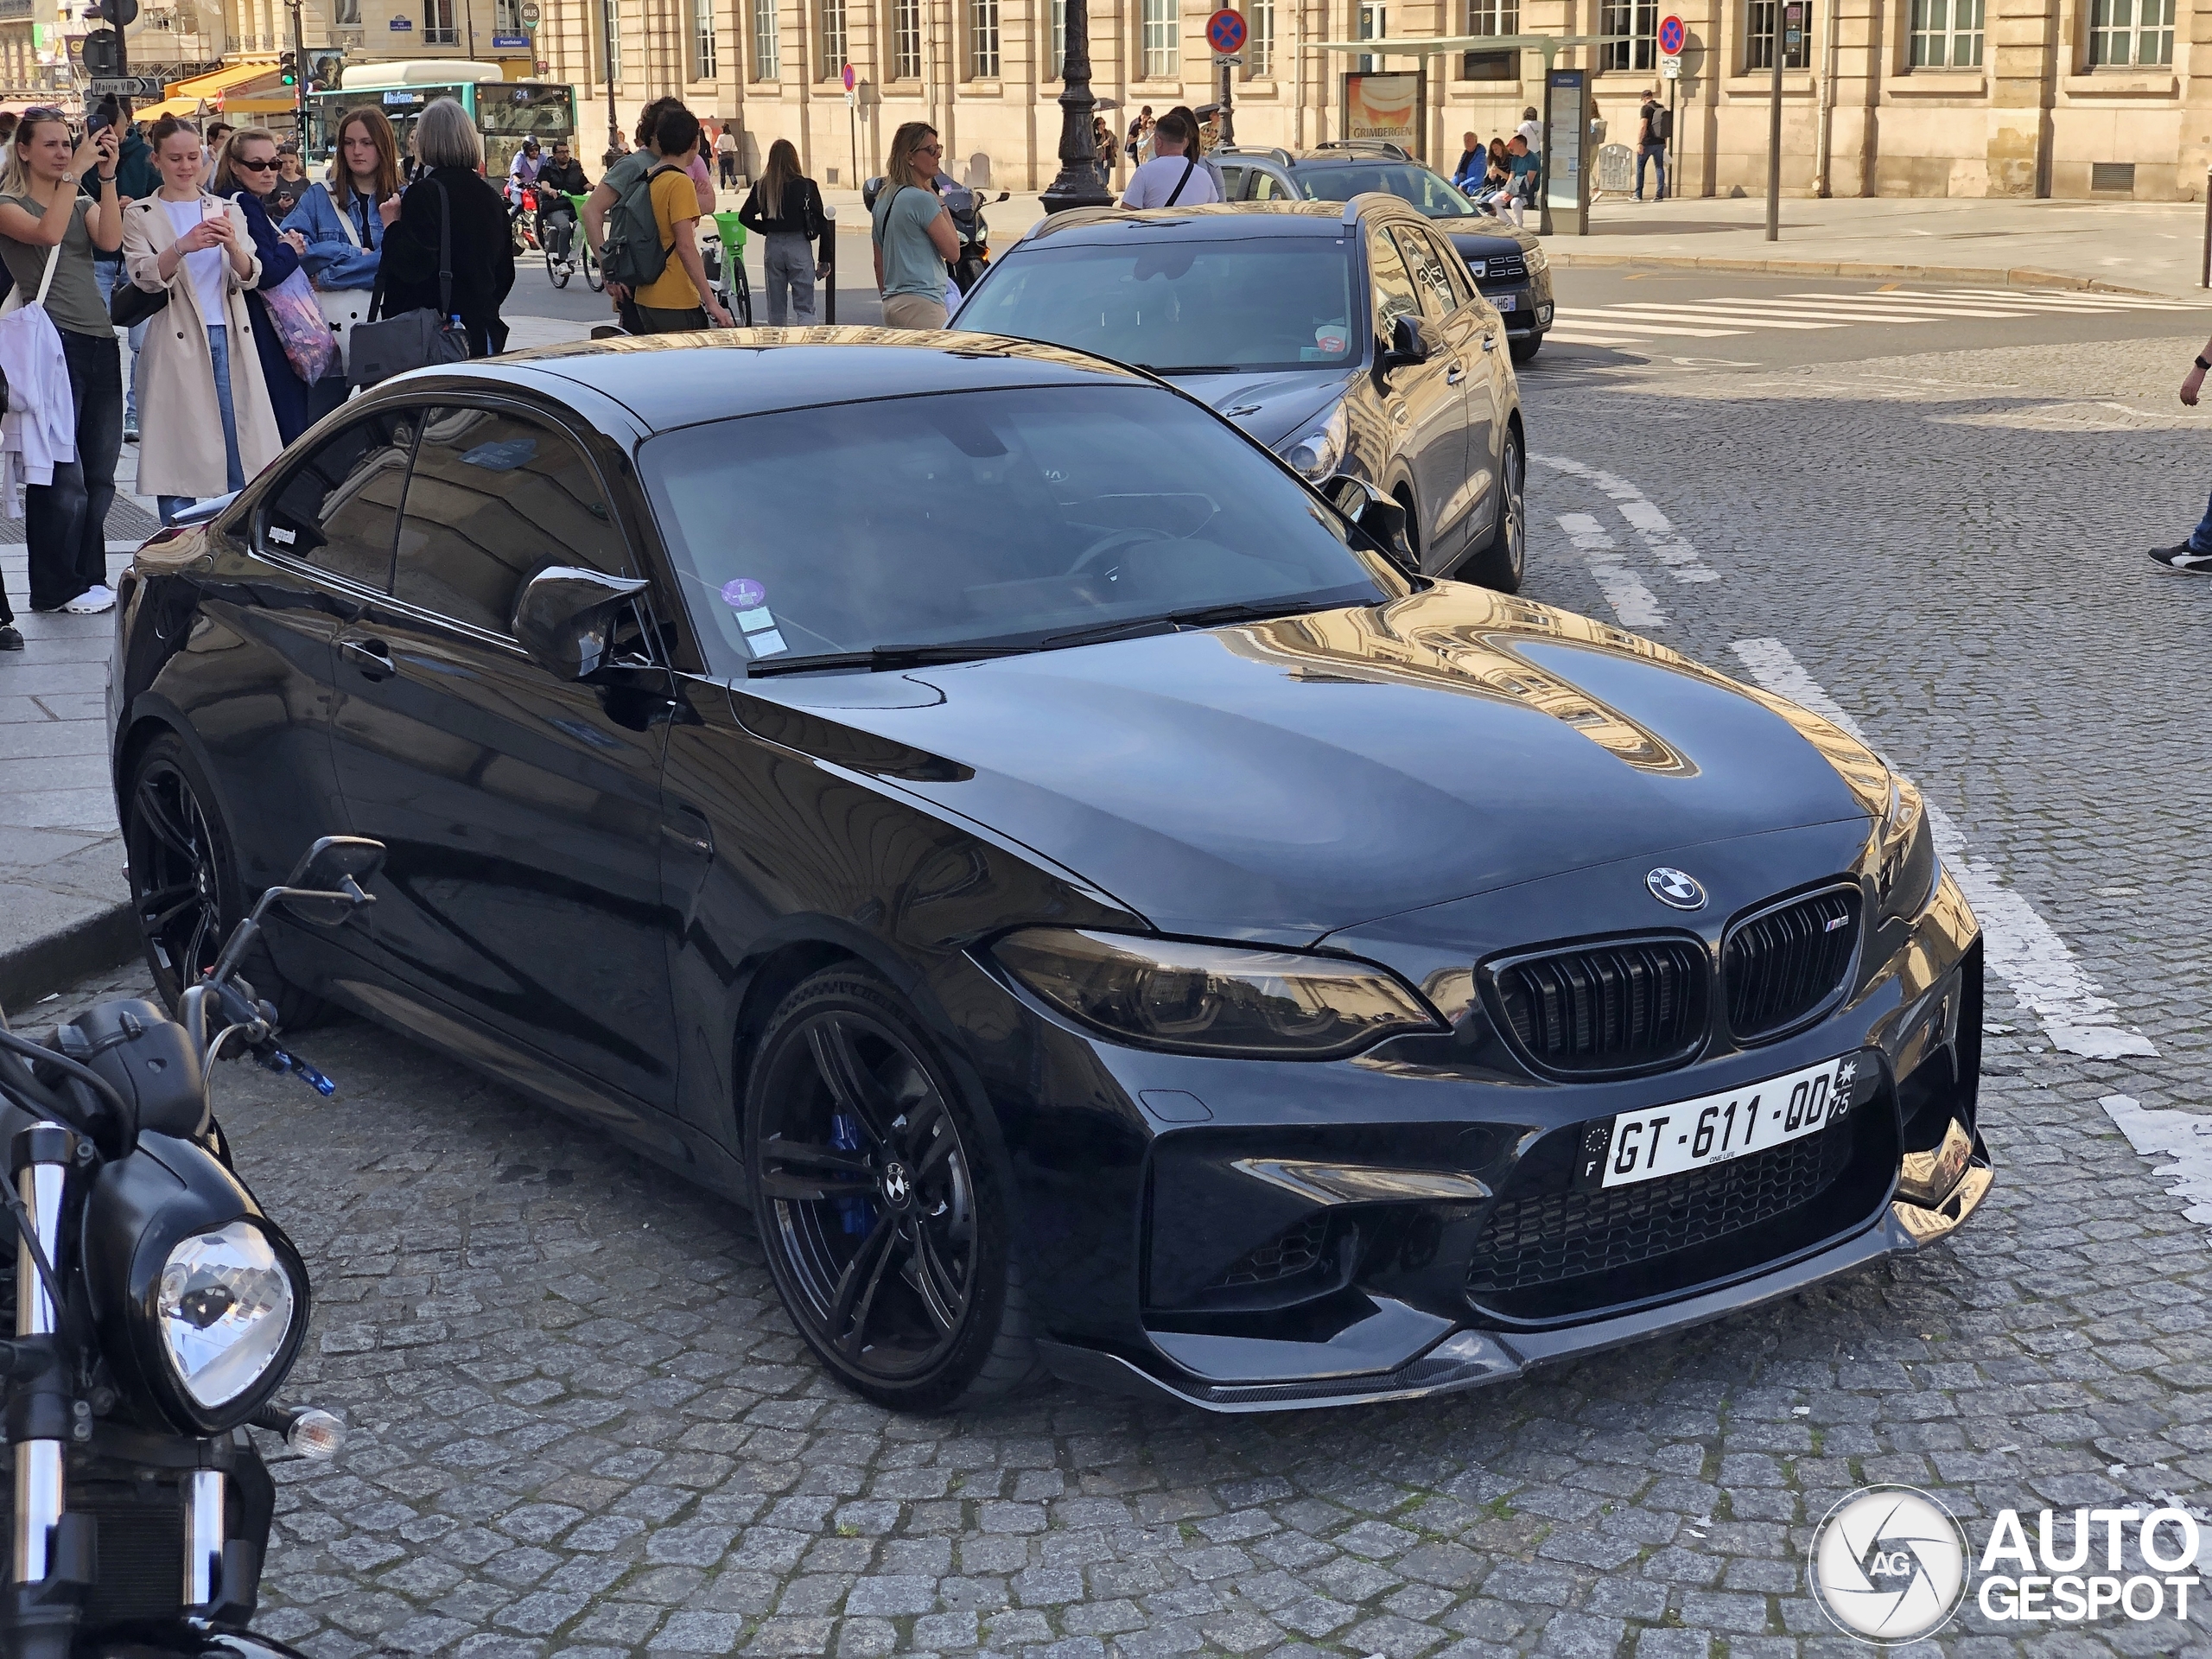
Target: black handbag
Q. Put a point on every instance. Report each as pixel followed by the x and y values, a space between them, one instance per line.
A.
pixel 131 304
pixel 421 339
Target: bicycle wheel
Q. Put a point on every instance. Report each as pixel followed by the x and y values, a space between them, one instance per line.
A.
pixel 743 310
pixel 595 278
pixel 556 270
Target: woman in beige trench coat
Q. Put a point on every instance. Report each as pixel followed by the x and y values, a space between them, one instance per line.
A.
pixel 210 427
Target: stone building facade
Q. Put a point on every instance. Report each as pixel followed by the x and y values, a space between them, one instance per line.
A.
pixel 2027 98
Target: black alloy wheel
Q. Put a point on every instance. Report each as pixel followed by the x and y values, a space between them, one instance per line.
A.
pixel 883 1227
pixel 184 885
pixel 1503 563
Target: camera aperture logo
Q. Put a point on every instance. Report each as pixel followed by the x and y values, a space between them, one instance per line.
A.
pixel 1889 1564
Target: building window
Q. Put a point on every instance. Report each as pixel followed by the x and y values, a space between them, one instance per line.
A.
pixel 610 36
pixel 1492 17
pixel 438 23
pixel 905 39
pixel 1373 25
pixel 1639 20
pixel 764 64
pixel 1159 57
pixel 703 40
pixel 1758 36
pixel 1059 41
pixel 347 14
pixel 1947 33
pixel 2130 34
pixel 834 49
pixel 1260 49
pixel 982 40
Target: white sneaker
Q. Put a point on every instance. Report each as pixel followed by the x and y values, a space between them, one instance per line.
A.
pixel 91 602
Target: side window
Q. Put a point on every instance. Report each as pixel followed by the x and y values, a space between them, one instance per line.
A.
pixel 494 498
pixel 1232 182
pixel 1430 279
pixel 1455 268
pixel 1268 188
pixel 338 508
pixel 1395 295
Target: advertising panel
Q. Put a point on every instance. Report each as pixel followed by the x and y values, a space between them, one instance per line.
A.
pixel 1386 104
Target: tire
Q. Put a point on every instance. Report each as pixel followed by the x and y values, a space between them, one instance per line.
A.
pixel 556 270
pixel 595 278
pixel 1503 563
pixel 884 1231
pixel 1524 349
pixel 184 882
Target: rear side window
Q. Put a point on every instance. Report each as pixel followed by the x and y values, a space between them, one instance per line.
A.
pixel 338 508
pixel 1430 277
pixel 494 498
pixel 1394 296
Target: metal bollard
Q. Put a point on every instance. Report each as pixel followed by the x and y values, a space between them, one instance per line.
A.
pixel 2207 227
pixel 829 258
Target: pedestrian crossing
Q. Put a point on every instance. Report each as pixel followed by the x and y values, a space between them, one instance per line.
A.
pixel 1643 321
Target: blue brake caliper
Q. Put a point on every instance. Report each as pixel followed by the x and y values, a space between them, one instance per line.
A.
pixel 856 1216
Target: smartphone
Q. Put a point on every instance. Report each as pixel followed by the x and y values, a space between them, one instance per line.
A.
pixel 99 122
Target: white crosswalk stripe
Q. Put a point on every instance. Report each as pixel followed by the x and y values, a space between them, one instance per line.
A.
pixel 1722 316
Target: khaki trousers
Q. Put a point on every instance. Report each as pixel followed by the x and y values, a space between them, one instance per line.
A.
pixel 913 311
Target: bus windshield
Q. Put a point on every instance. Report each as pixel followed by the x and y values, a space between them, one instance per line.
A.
pixel 519 110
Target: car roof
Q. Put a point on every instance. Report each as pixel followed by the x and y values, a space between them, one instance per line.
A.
pixel 1100 226
pixel 672 380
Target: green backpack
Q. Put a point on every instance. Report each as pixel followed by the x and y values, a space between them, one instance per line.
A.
pixel 633 253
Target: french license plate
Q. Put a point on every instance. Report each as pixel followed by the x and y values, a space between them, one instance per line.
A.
pixel 1505 301
pixel 1663 1141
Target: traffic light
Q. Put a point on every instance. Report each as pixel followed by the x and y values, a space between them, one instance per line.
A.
pixel 288 69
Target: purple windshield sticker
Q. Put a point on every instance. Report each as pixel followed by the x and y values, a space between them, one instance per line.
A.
pixel 744 593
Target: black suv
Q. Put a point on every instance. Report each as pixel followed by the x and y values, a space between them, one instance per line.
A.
pixel 1349 339
pixel 1508 263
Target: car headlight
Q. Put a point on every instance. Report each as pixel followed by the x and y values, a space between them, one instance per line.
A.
pixel 1906 867
pixel 1316 451
pixel 1535 259
pixel 225 1305
pixel 1214 999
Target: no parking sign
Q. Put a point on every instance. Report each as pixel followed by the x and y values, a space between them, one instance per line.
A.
pixel 1672 36
pixel 1225 31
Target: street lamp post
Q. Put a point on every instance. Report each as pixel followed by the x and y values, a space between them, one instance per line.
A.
pixel 1078 184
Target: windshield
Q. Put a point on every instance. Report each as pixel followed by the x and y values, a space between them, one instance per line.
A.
pixel 523 111
pixel 1178 304
pixel 1007 517
pixel 1342 181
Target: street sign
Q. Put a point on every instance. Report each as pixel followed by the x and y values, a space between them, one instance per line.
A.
pixel 126 85
pixel 848 78
pixel 1227 59
pixel 1670 68
pixel 1793 27
pixel 1672 36
pixel 531 14
pixel 102 52
pixel 1225 31
pixel 122 13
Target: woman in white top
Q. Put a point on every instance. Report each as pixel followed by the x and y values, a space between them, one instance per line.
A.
pixel 212 428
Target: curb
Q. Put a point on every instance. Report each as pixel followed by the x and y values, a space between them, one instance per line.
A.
pixel 29 971
pixel 2008 277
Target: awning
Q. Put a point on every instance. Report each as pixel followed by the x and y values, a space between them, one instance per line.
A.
pixel 212 84
pixel 274 99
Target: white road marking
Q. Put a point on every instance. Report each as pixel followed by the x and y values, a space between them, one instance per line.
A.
pixel 1605 318
pixel 2024 950
pixel 1646 310
pixel 2186 1137
pixel 1660 537
pixel 2067 300
pixel 1636 604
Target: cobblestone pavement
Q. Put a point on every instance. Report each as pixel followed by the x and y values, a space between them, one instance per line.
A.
pixel 583 1426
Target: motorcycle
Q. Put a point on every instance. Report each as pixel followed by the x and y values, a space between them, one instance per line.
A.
pixel 966 205
pixel 157 1310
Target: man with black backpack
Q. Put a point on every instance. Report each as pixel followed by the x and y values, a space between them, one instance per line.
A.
pixel 1654 126
pixel 651 251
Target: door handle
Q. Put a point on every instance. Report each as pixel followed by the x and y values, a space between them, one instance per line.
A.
pixel 1455 375
pixel 371 658
pixel 1489 342
pixel 687 828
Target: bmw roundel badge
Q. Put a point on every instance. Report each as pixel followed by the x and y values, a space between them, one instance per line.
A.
pixel 1675 887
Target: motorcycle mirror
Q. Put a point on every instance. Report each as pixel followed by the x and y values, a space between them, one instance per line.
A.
pixel 325 886
pixel 1004 194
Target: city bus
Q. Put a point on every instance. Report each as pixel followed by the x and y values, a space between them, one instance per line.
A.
pixel 505 111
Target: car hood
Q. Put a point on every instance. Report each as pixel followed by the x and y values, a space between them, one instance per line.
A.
pixel 1270 406
pixel 1280 780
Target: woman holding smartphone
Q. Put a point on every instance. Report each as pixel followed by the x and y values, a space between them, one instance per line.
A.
pixel 43 218
pixel 208 425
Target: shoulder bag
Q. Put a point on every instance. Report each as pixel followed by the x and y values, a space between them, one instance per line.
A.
pixel 416 339
pixel 342 307
pixel 131 305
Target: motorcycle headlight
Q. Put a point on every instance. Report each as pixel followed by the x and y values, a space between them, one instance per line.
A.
pixel 1316 451
pixel 226 1305
pixel 1214 999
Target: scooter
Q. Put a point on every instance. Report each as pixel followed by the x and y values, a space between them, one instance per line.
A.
pixel 157 1310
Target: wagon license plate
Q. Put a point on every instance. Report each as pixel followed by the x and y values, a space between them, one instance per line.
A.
pixel 1505 301
pixel 1664 1141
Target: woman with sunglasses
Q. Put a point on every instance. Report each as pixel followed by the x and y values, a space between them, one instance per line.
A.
pixel 914 238
pixel 247 174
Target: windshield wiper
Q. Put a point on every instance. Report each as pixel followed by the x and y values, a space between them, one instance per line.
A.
pixel 1207 616
pixel 1195 368
pixel 878 658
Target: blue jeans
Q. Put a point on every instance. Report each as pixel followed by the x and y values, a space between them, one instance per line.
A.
pixel 219 353
pixel 109 273
pixel 2200 539
pixel 1657 155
